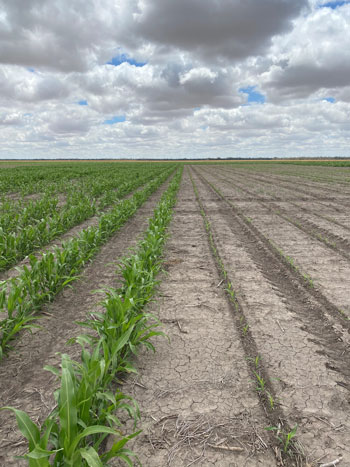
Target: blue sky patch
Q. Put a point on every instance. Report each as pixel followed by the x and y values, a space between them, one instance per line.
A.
pixel 115 119
pixel 83 102
pixel 124 58
pixel 329 99
pixel 334 5
pixel 254 97
pixel 32 70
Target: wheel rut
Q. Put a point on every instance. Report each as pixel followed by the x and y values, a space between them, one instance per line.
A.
pixel 198 402
pixel 327 272
pixel 314 190
pixel 292 193
pixel 305 355
pixel 335 242
pixel 274 191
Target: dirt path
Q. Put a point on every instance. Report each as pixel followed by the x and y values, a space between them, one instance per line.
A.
pixel 196 391
pixel 23 382
pixel 305 354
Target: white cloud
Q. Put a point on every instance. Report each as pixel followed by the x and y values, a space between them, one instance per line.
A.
pixel 186 100
pixel 313 56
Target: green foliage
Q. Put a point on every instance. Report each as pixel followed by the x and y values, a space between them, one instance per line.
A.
pixel 87 410
pixel 22 297
pixel 26 226
pixel 284 437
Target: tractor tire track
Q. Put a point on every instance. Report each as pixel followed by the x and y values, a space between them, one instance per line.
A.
pixel 196 391
pixel 322 195
pixel 301 349
pixel 335 242
pixel 327 272
pixel 311 207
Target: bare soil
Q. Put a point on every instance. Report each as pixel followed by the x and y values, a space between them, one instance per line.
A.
pixel 197 397
pixel 198 394
pixel 302 343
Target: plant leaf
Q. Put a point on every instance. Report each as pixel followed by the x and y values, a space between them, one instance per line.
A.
pixel 28 428
pixel 91 457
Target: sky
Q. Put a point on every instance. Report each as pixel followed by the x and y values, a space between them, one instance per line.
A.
pixel 174 78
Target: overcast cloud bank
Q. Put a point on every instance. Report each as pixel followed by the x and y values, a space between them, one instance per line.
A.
pixel 158 78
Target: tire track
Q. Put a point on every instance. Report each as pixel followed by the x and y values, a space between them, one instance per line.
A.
pixel 196 390
pixel 320 197
pixel 295 201
pixel 335 242
pixel 290 329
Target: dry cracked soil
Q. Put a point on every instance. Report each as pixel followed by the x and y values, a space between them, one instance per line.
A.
pixel 273 353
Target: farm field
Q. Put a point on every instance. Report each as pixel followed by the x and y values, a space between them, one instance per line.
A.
pixel 253 264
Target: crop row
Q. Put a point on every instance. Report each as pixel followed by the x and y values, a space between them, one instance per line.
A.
pixel 22 296
pixel 19 212
pixel 56 177
pixel 260 376
pixel 48 223
pixel 87 410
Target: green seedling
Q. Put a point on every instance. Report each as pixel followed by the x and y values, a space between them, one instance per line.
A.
pixel 245 330
pixel 255 360
pixel 230 291
pixel 308 280
pixel 260 381
pixel 270 399
pixel 285 438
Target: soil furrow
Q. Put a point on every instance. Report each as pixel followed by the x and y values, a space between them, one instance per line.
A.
pixel 327 272
pixel 273 192
pixel 196 395
pixel 289 194
pixel 332 240
pixel 315 209
pixel 305 355
pixel 317 193
pixel 24 383
pixel 312 185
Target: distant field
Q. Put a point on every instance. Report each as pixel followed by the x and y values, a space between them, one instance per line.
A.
pixel 245 263
pixel 321 162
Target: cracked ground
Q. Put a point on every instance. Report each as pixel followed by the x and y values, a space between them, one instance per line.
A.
pixel 198 402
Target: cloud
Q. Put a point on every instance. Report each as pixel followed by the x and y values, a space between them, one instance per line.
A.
pixel 227 29
pixel 69 125
pixel 313 56
pixel 60 34
pixel 10 119
pixel 21 85
pixel 166 78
